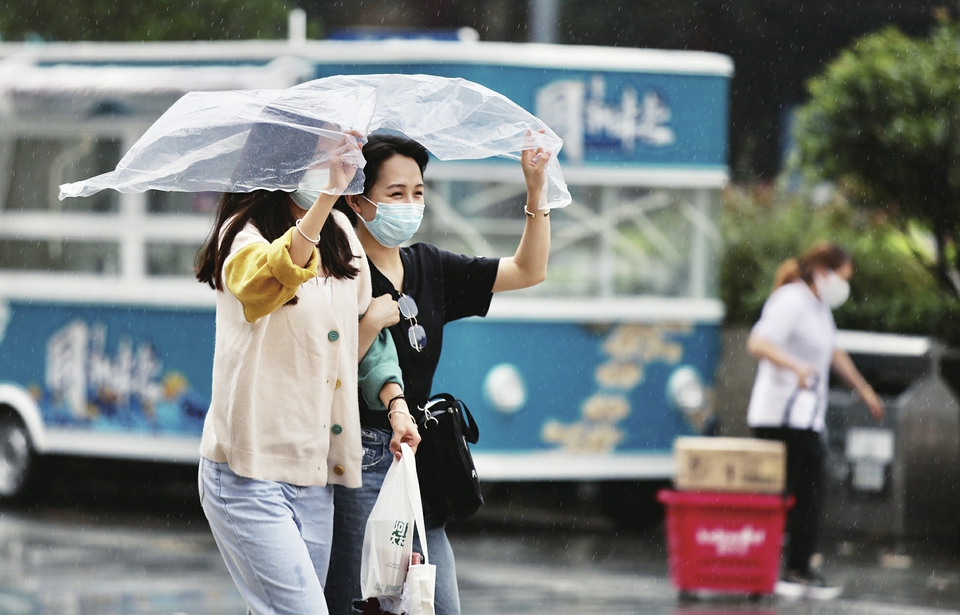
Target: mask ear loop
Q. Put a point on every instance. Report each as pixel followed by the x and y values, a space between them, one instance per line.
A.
pixel 363 196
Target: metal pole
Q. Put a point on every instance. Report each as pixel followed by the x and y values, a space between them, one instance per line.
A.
pixel 700 260
pixel 297 26
pixel 543 20
pixel 607 258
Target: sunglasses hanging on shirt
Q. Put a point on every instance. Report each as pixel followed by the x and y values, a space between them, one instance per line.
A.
pixel 416 334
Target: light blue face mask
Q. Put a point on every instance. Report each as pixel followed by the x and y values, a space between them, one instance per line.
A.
pixel 311 186
pixel 394 223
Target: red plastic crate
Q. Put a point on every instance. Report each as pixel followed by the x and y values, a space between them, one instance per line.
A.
pixel 724 542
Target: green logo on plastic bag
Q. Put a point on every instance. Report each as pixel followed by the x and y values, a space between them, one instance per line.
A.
pixel 399 534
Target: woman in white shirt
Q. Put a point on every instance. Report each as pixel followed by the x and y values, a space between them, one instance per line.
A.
pixel 794 341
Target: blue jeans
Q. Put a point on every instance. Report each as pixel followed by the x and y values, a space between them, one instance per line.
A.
pixel 352 508
pixel 274 537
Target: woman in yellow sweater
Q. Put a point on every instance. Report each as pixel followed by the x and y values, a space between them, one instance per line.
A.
pixel 283 425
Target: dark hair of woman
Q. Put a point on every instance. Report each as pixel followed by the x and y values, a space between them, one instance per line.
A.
pixel 270 213
pixel 378 149
pixel 820 256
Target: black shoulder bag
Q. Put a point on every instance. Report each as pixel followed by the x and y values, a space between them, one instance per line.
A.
pixel 448 476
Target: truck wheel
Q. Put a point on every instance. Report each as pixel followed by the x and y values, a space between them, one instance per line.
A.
pixel 16 456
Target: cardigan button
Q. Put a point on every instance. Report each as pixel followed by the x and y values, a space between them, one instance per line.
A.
pixel 338 470
pixel 337 430
pixel 337 386
pixel 333 336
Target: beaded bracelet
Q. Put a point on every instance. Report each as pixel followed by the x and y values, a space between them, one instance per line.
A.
pixel 311 240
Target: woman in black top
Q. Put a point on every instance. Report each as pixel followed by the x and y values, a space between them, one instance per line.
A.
pixel 444 287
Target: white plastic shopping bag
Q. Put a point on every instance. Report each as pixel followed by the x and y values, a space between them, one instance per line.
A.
pixel 388 538
pixel 802 409
pixel 388 543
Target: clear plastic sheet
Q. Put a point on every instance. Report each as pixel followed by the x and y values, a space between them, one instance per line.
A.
pixel 242 140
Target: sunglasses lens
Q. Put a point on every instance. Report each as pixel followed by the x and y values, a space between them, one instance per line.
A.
pixel 418 337
pixel 408 307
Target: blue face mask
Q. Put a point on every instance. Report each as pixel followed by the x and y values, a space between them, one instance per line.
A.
pixel 311 185
pixel 394 223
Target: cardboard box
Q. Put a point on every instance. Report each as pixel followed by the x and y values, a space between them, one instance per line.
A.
pixel 746 465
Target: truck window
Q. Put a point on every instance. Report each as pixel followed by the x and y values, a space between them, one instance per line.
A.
pixel 73 256
pixel 612 241
pixel 39 165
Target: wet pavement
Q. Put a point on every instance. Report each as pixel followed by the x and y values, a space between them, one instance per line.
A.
pixel 111 554
pixel 549 563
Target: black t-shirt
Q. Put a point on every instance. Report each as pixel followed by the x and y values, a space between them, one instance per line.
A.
pixel 445 287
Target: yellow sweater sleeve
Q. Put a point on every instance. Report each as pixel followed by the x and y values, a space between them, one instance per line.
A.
pixel 263 277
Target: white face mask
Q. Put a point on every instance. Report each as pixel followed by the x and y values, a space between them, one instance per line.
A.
pixel 833 289
pixel 311 185
pixel 394 223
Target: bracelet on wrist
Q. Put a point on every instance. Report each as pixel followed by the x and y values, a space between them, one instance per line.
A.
pixel 310 239
pixel 393 399
pixel 392 412
pixel 546 212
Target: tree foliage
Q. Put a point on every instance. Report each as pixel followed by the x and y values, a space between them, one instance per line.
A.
pixel 890 291
pixel 884 118
pixel 158 20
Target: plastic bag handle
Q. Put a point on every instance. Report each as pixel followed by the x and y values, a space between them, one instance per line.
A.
pixel 409 465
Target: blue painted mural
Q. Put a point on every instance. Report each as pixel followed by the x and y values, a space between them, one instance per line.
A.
pixel 577 387
pixel 533 386
pixel 605 118
pixel 109 368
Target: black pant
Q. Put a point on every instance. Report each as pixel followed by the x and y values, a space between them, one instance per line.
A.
pixel 805 482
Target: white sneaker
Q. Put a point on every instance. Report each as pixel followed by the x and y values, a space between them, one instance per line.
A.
pixel 818 588
pixel 790 587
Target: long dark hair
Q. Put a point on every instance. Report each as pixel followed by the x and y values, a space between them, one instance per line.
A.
pixel 270 213
pixel 378 149
pixel 279 146
pixel 822 255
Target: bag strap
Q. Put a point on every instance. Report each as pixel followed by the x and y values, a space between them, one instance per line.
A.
pixel 471 431
pixel 409 465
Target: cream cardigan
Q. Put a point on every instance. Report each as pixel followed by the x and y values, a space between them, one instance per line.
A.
pixel 284 402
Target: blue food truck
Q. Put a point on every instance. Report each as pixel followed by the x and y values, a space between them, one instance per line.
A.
pixel 106 341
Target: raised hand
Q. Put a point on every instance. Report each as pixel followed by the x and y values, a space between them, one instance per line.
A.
pixel 345 159
pixel 534 164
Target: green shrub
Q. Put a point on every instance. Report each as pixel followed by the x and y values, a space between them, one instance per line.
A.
pixel 892 291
